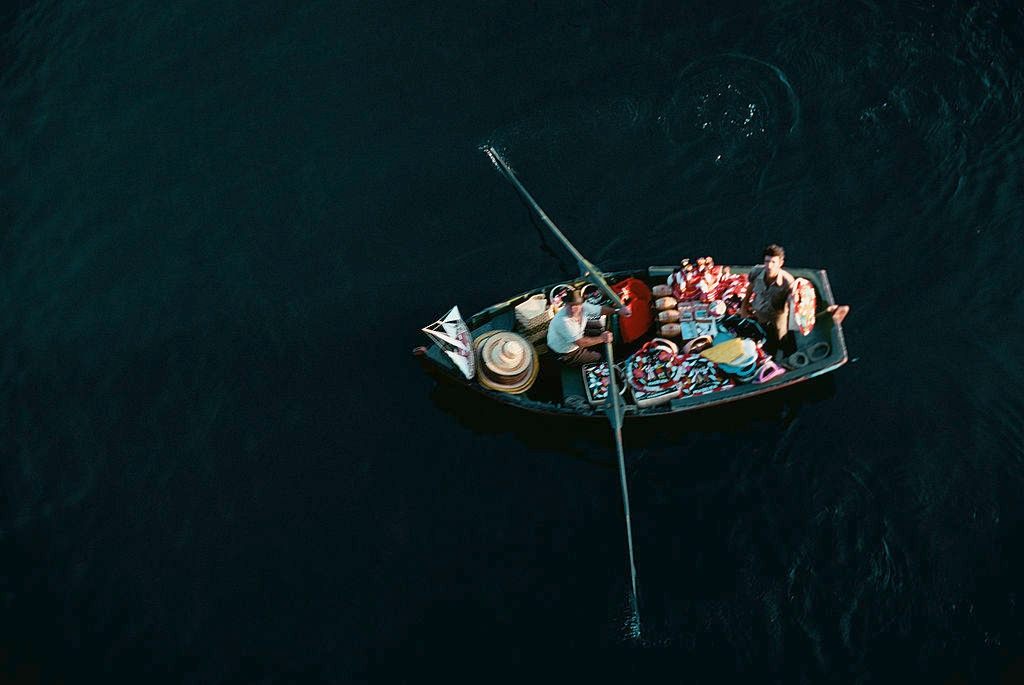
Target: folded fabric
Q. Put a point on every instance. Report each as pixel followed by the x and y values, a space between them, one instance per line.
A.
pixel 730 351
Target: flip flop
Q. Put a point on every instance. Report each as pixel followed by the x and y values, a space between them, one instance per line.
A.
pixel 769 371
pixel 797 360
pixel 818 351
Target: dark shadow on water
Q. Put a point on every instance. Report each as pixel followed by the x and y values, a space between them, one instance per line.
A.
pixel 584 437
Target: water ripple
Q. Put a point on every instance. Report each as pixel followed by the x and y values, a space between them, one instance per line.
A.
pixel 731 109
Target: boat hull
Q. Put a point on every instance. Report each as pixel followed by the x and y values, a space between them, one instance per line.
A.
pixel 501 317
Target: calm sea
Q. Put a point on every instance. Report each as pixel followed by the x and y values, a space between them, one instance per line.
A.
pixel 225 222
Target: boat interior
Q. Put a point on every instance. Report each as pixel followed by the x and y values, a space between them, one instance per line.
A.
pixel 559 388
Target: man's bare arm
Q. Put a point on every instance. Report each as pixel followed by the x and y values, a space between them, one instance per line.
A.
pixel 591 340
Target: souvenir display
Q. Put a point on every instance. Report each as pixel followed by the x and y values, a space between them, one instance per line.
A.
pixel 696 320
pixel 733 304
pixel 663 303
pixel 597 383
pixel 709 276
pixel 683 281
pixel 706 281
pixel 803 302
pixel 661 291
pixel 701 292
pixel 649 398
pixel 731 290
pixel 695 329
pixel 701 376
pixel 654 371
pixel 669 316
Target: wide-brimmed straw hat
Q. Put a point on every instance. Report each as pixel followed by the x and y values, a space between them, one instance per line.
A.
pixel 508 362
pixel 505 354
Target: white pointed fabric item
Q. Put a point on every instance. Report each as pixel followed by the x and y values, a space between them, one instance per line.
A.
pixel 452 336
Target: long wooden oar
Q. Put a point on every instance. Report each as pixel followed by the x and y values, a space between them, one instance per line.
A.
pixel 589 270
pixel 615 413
pixel 614 407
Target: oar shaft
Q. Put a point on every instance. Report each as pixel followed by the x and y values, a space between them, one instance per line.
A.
pixel 593 273
pixel 613 396
pixel 507 171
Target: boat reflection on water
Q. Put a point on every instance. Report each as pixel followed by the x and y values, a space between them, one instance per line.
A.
pixel 584 439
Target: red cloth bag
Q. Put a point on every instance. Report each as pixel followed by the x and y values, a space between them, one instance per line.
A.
pixel 636 295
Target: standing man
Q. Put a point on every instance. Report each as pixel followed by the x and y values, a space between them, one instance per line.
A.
pixel 571 333
pixel 767 300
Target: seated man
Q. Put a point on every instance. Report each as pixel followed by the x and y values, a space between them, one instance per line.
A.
pixel 571 332
pixel 767 300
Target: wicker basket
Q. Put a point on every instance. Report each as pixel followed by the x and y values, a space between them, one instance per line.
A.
pixel 532 317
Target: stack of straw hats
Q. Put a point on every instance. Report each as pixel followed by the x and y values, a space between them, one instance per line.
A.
pixel 507 362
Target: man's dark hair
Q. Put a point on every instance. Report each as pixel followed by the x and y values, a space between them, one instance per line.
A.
pixel 774 250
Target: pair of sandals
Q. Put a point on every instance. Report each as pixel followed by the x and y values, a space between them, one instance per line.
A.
pixel 801 358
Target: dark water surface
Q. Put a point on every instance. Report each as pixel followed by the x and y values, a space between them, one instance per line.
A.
pixel 224 224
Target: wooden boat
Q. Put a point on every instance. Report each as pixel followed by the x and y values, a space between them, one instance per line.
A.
pixel 559 389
